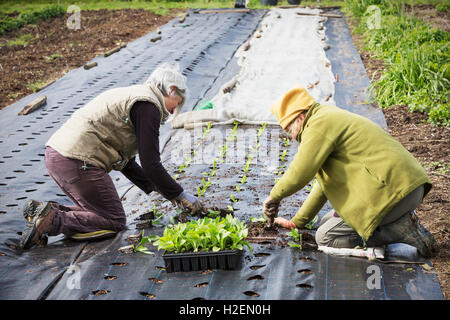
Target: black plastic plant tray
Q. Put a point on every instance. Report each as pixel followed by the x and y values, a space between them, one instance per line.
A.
pixel 196 261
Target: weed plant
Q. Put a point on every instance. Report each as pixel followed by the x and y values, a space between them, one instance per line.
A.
pixel 417 57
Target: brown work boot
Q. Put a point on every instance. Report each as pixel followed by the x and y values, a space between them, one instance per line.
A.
pixel 406 229
pixel 36 230
pixel 29 210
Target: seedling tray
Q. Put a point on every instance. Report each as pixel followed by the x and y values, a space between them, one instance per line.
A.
pixel 196 261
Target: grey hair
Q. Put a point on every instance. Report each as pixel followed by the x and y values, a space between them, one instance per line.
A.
pixel 293 128
pixel 167 75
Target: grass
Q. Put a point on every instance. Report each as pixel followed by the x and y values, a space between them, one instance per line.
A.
pixel 416 55
pixel 35 85
pixel 22 40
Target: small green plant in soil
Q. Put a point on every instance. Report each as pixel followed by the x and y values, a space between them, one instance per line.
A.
pixel 206 130
pixel 140 246
pixel 158 215
pixel 261 219
pixel 261 130
pixel 283 155
pixel 310 224
pixel 205 234
pixel 233 199
pixel 297 236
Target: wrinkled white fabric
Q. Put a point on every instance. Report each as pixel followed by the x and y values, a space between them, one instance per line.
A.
pixel 370 253
pixel 286 50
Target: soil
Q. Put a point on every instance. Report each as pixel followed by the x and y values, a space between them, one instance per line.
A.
pixel 428 13
pixel 54 49
pixel 429 144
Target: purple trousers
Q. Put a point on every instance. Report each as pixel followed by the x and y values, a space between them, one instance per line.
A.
pixel 97 205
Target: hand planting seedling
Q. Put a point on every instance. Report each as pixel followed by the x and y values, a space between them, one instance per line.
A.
pixel 205 234
pixel 297 243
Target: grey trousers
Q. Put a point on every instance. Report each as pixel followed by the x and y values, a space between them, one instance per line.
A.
pixel 97 205
pixel 334 232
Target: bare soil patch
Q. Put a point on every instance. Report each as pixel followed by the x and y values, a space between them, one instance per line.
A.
pixel 429 144
pixel 429 14
pixel 51 49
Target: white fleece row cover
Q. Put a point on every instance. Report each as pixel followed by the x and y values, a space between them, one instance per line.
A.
pixel 286 50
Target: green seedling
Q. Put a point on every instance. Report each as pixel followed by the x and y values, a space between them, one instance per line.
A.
pixel 283 155
pixel 224 150
pixel 200 191
pixel 244 179
pixel 175 177
pixel 140 246
pixel 310 224
pixel 297 238
pixel 213 213
pixel 181 168
pixel 261 219
pixel 206 130
pixel 230 208
pixel 261 129
pixel 286 142
pixel 246 166
pixel 158 215
pixel 238 189
pixel 212 173
pixel 232 198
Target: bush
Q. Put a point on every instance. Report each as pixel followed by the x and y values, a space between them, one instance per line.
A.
pixel 10 23
pixel 417 56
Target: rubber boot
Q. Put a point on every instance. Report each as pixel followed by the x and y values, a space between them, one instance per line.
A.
pixel 408 230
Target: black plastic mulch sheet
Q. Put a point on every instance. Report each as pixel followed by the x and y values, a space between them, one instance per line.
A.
pixel 204 45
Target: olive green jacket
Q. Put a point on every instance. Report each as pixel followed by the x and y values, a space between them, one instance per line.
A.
pixel 360 169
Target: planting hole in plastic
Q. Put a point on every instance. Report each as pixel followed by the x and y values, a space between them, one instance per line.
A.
pixel 251 293
pixel 201 285
pixel 147 295
pixel 304 271
pixel 100 292
pixel 257 277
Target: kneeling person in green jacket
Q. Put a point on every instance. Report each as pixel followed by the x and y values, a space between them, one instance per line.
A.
pixel 373 184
